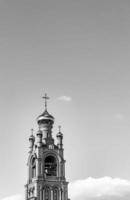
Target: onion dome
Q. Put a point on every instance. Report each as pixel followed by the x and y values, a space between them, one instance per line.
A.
pixel 45 121
pixel 45 117
pixel 31 137
pixel 59 134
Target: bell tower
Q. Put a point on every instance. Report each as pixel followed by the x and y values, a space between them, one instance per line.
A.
pixel 46 165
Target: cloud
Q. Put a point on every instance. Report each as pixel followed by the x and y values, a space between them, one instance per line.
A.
pixel 105 188
pixel 119 116
pixel 14 197
pixel 65 98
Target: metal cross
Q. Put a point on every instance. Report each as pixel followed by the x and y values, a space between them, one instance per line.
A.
pixel 46 98
pixel 32 131
pixel 59 128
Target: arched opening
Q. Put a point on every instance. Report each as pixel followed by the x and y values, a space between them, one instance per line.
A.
pixel 33 167
pixel 55 194
pixel 50 167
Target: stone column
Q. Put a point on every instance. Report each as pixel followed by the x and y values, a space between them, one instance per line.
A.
pixel 59 194
pixel 43 194
pixel 37 167
pixel 51 194
pixel 37 192
pixel 40 193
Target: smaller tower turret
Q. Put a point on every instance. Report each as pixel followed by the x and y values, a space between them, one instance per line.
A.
pixel 39 138
pixel 31 141
pixel 45 122
pixel 60 138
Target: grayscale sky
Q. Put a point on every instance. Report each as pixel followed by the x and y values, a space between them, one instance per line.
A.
pixel 79 53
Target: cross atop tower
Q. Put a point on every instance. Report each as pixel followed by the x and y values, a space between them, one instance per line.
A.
pixel 59 128
pixel 32 131
pixel 46 98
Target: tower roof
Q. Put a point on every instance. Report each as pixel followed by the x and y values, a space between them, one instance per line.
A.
pixel 45 116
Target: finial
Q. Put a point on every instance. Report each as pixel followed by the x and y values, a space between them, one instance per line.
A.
pixel 32 130
pixel 46 98
pixel 59 128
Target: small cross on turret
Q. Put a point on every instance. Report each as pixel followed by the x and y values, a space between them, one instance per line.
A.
pixel 32 131
pixel 46 98
pixel 59 128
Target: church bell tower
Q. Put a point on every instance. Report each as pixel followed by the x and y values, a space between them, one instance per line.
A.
pixel 46 165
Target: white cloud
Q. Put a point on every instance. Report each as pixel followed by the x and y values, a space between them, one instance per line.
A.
pixel 105 188
pixel 119 116
pixel 65 98
pixel 14 197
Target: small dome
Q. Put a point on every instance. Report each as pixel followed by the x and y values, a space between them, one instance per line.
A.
pixel 59 134
pixel 45 116
pixel 31 137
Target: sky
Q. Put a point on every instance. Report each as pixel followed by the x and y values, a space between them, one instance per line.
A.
pixel 78 53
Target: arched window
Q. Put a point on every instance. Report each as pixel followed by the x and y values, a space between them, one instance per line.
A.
pixel 50 167
pixel 33 167
pixel 47 193
pixel 55 194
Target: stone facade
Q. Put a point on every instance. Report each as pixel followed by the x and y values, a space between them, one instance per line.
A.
pixel 46 165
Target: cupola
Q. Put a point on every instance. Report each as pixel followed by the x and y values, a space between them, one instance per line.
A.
pixel 60 138
pixel 45 121
pixel 31 141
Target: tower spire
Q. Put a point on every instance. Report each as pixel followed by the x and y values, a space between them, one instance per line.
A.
pixel 45 97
